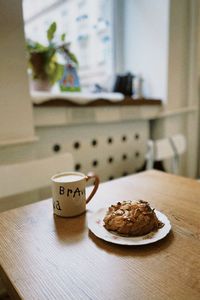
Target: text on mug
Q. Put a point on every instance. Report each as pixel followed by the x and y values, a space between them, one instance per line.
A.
pixel 71 192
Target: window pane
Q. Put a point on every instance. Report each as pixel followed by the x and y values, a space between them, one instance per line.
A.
pixel 88 25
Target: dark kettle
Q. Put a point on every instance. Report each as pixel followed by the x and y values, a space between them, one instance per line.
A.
pixel 124 84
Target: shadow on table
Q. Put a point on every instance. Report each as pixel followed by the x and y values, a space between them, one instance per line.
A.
pixel 142 250
pixel 70 230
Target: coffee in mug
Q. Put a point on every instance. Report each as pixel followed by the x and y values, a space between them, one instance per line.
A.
pixel 68 190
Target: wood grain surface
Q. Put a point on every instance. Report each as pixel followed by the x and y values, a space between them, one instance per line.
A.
pixel 43 256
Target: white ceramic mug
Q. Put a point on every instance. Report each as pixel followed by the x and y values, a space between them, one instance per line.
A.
pixel 68 190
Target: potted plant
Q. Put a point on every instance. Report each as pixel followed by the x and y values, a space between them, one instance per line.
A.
pixel 43 61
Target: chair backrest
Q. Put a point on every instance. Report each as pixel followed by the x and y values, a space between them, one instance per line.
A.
pixel 178 143
pixel 26 176
pixel 166 148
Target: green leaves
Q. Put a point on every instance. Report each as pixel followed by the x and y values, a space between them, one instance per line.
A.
pixel 59 70
pixel 55 71
pixel 72 57
pixel 51 31
pixel 63 37
pixel 35 46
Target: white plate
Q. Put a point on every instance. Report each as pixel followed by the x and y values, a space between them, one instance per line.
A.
pixel 96 225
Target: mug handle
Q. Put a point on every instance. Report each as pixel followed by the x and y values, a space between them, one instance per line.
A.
pixel 96 185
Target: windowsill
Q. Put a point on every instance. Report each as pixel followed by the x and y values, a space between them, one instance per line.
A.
pixel 81 99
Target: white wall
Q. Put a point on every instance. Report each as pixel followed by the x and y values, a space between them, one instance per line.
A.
pixel 15 104
pixel 179 53
pixel 161 44
pixel 146 43
pixel 182 81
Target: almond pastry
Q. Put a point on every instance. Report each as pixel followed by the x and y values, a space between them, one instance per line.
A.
pixel 131 218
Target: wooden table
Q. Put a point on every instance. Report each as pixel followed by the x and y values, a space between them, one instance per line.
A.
pixel 46 257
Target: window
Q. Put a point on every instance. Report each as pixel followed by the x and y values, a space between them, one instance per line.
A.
pixel 88 25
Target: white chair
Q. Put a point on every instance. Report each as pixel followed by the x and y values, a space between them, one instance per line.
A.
pixel 167 148
pixel 31 175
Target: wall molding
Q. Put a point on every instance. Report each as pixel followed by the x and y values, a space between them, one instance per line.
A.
pixel 13 142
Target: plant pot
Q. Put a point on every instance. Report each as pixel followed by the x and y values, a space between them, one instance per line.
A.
pixel 39 80
pixel 38 61
pixel 40 85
